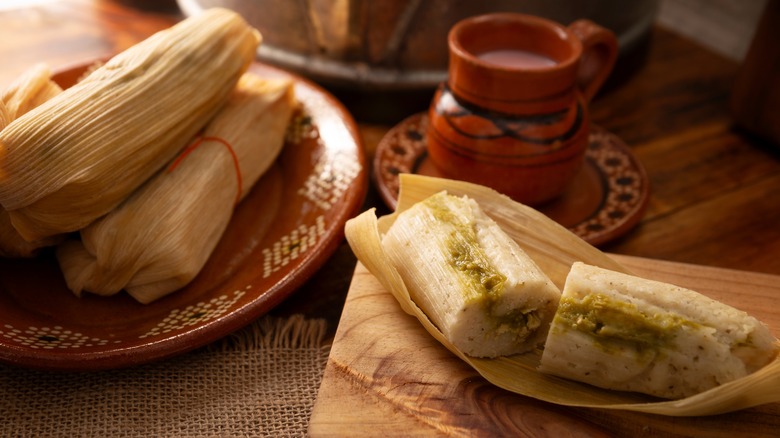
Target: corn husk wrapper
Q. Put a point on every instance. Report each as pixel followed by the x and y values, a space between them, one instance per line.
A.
pixel 30 90
pixel 5 117
pixel 12 245
pixel 75 157
pixel 159 239
pixel 554 249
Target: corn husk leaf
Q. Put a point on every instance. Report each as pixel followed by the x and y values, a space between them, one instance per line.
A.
pixel 28 91
pixel 159 239
pixel 5 117
pixel 12 245
pixel 77 156
pixel 554 249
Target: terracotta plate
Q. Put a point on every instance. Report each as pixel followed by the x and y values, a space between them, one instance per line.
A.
pixel 281 233
pixel 606 199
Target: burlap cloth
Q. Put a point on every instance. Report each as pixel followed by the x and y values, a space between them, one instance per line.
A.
pixel 262 381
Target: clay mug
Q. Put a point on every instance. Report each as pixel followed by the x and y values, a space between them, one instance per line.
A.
pixel 513 113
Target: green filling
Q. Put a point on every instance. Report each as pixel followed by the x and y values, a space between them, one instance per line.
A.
pixel 613 323
pixel 482 283
pixel 481 280
pixel 519 321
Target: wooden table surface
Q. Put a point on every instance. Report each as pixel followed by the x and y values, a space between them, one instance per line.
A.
pixel 715 191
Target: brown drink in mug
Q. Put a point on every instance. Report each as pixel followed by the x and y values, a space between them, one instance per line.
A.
pixel 513 113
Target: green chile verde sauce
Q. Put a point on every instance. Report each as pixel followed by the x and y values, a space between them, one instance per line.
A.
pixel 611 323
pixel 482 283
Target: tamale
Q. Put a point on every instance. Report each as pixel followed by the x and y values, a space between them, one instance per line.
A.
pixel 12 245
pixel 618 331
pixel 474 282
pixel 77 156
pixel 28 91
pixel 159 238
pixel 5 117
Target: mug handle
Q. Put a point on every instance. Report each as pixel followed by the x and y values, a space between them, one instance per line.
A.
pixel 599 52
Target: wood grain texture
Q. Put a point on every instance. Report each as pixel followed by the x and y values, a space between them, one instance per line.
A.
pixel 68 32
pixel 386 376
pixel 715 191
pixel 755 101
pixel 723 26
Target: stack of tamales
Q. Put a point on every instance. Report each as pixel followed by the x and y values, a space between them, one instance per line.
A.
pixel 108 157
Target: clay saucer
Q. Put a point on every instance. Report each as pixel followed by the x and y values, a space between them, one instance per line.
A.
pixel 606 199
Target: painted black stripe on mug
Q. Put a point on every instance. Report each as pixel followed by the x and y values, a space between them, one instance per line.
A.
pixel 462 108
pixel 447 95
pixel 497 158
pixel 507 131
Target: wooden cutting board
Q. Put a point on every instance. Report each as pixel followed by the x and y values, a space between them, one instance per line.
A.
pixel 387 377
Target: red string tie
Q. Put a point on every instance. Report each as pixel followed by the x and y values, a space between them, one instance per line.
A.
pixel 198 141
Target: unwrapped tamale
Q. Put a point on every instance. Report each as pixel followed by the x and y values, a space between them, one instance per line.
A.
pixel 159 239
pixel 618 331
pixel 77 156
pixel 474 282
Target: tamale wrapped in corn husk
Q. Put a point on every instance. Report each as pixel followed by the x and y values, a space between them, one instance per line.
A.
pixel 623 332
pixel 12 245
pixel 5 117
pixel 30 90
pixel 554 249
pixel 479 288
pixel 159 239
pixel 77 156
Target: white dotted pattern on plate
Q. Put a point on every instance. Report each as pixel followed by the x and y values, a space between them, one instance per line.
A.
pixel 57 337
pixel 291 246
pixel 300 129
pixel 329 180
pixel 195 314
pixel 50 338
